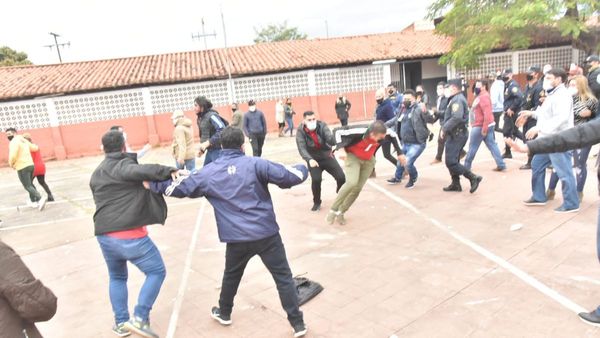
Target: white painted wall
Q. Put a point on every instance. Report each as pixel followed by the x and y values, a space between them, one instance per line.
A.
pixel 431 69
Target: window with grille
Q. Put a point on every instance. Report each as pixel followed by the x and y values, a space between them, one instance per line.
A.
pixel 344 80
pixel 271 87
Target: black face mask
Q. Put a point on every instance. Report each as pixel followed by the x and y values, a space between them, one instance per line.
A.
pixel 529 77
pixel 10 137
pixel 233 110
pixel 419 92
pixel 505 78
pixel 407 104
pixel 391 92
pixel 379 101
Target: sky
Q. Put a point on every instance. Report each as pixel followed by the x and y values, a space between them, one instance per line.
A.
pixel 123 28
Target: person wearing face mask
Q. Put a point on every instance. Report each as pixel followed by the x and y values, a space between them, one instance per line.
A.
pixel 422 96
pixel 585 106
pixel 497 97
pixel 385 112
pixel 455 131
pixel 237 118
pixel 356 146
pixel 532 100
pixel 412 125
pixel 19 158
pixel 513 100
pixel 210 125
pixel 394 97
pixel 482 127
pixel 183 142
pixel 553 116
pixel 342 109
pixel 255 128
pixel 315 143
pixel 593 65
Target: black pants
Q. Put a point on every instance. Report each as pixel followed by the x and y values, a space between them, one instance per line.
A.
pixel 344 122
pixel 331 166
pixel 272 253
pixel 440 148
pixel 509 129
pixel 386 147
pixel 42 181
pixel 497 115
pixel 455 142
pixel 26 178
pixel 257 141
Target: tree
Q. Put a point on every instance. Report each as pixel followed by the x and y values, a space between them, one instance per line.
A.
pixel 10 57
pixel 278 32
pixel 480 26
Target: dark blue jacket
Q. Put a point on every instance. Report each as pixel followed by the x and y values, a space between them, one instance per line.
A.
pixel 237 187
pixel 513 97
pixel 255 123
pixel 384 111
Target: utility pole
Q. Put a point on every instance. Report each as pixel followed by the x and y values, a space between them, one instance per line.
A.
pixel 227 66
pixel 326 29
pixel 203 35
pixel 57 45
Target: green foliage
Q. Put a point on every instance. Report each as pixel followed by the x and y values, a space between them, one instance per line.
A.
pixel 278 32
pixel 480 26
pixel 10 57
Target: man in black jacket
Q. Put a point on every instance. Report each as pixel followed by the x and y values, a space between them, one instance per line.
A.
pixel 123 210
pixel 583 135
pixel 210 125
pixel 315 142
pixel 533 92
pixel 593 64
pixel 342 109
pixel 513 100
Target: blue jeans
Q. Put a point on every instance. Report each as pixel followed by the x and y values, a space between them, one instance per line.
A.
pixel 580 157
pixel 563 168
pixel 211 155
pixel 145 256
pixel 290 123
pixel 412 152
pixel 187 164
pixel 490 142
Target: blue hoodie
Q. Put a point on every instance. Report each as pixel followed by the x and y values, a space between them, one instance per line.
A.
pixel 237 187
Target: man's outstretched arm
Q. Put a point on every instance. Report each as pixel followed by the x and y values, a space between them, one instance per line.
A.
pixel 183 186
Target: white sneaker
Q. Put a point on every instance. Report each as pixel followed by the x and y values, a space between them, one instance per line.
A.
pixel 33 205
pixel 42 203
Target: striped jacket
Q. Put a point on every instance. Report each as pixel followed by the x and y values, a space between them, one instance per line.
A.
pixel 349 135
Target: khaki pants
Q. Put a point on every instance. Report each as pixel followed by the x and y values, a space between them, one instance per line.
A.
pixel 357 172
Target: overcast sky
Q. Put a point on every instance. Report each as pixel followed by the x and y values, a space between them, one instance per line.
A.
pixel 122 28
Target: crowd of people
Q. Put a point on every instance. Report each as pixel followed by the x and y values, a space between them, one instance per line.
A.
pixel 554 115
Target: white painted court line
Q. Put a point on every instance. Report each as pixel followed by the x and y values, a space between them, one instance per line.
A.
pixel 16 227
pixel 536 284
pixel 186 272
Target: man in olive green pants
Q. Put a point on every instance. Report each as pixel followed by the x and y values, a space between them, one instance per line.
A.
pixel 357 145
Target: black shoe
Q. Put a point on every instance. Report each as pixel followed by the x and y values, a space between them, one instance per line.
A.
pixel 475 180
pixel 453 187
pixel 222 319
pixel 300 330
pixel 525 167
pixel 316 207
pixel 533 203
pixel 590 317
pixel 507 155
pixel 50 198
pixel 410 184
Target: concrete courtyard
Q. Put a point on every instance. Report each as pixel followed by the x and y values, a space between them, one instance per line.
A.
pixel 409 263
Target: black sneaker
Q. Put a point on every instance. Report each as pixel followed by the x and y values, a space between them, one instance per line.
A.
pixel 507 155
pixel 410 184
pixel 393 181
pixel 525 167
pixel 140 327
pixel 300 330
pixel 563 210
pixel 590 317
pixel 534 203
pixel 120 330
pixel 50 198
pixel 316 207
pixel 222 319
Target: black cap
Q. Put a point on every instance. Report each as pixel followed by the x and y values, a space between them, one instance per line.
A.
pixel 251 103
pixel 507 71
pixel 534 69
pixel 455 82
pixel 592 58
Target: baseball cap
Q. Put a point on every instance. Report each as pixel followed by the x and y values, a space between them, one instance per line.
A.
pixel 507 71
pixel 534 69
pixel 592 58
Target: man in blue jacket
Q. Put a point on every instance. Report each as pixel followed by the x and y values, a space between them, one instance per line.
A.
pixel 385 112
pixel 237 188
pixel 255 127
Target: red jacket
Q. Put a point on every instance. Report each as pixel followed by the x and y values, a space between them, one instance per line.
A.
pixel 482 109
pixel 38 163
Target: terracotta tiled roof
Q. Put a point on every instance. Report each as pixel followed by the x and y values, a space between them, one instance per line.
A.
pixel 32 81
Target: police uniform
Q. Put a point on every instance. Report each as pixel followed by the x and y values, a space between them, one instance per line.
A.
pixel 456 118
pixel 532 101
pixel 513 100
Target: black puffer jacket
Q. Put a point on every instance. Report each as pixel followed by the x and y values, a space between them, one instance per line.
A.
pixel 122 202
pixel 24 300
pixel 583 135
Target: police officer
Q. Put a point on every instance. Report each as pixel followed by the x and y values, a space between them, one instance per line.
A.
pixel 513 100
pixel 455 132
pixel 532 100
pixel 593 64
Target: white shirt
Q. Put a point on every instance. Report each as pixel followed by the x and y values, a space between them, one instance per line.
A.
pixel 556 113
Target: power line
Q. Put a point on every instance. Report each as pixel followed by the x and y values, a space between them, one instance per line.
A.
pixel 57 45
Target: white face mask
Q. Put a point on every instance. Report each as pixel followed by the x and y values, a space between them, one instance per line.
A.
pixel 573 91
pixel 547 85
pixel 252 108
pixel 447 92
pixel 311 125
